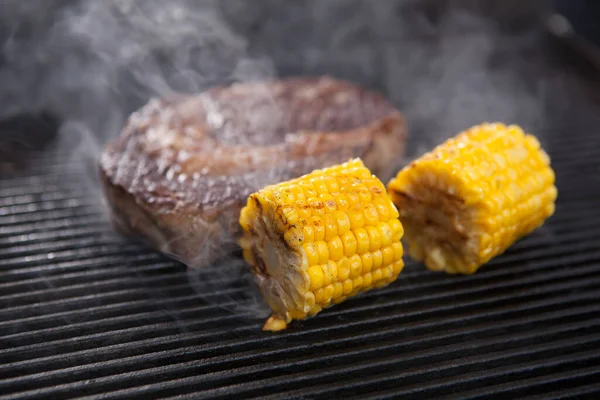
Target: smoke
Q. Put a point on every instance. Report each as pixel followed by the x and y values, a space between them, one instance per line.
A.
pixel 445 64
pixel 93 63
pixel 460 67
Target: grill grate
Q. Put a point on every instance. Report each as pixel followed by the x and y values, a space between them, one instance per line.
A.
pixel 84 313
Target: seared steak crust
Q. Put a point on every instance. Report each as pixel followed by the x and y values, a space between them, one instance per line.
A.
pixel 183 166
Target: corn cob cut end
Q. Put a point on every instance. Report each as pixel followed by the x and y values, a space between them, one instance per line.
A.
pixel 319 239
pixel 472 197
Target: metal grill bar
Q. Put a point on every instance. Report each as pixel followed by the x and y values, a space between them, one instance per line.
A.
pixel 84 312
pixel 219 362
pixel 485 314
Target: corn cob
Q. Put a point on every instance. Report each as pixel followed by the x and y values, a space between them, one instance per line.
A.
pixel 319 239
pixel 473 196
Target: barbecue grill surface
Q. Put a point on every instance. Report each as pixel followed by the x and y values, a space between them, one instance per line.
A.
pixel 84 312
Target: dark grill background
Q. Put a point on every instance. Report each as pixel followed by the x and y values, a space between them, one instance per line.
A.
pixel 87 313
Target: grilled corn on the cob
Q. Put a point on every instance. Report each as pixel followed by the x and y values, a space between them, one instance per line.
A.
pixel 473 196
pixel 321 238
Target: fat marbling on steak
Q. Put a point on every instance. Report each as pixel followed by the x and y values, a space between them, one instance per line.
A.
pixel 183 167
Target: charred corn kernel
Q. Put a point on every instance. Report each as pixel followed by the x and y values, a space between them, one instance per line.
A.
pixel 472 197
pixel 313 241
pixel 318 228
pixel 303 209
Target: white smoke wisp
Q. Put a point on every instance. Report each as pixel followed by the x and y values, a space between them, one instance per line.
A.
pixel 460 68
pixel 93 63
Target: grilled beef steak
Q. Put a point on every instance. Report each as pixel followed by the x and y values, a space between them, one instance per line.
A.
pixel 182 169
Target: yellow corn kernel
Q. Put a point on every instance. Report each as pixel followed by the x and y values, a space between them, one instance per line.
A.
pixel 344 269
pixel 367 279
pixel 310 253
pixel 358 284
pixel 336 249
pixel 347 286
pixel 323 251
pixel 377 275
pixel 316 276
pixel 398 251
pixel 388 255
pixel 398 266
pixel 472 197
pixel 330 272
pixel 341 203
pixel 362 240
pixel 374 238
pixel 313 241
pixel 331 229
pixel 357 219
pixel 338 290
pixel 355 266
pixel 386 234
pixel 397 230
pixel 307 232
pixel 349 241
pixel 371 215
pixel 377 259
pixel 367 261
pixel 343 222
